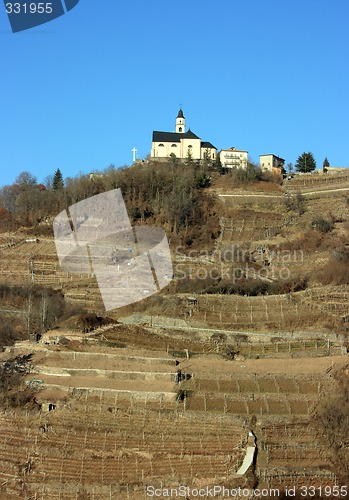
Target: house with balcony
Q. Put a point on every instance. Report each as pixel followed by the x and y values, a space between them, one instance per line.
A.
pixel 233 158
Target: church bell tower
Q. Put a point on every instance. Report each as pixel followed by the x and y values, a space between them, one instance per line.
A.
pixel 180 122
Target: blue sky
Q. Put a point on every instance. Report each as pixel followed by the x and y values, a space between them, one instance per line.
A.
pixel 267 76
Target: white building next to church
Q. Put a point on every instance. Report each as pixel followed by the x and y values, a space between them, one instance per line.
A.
pixel 233 158
pixel 179 143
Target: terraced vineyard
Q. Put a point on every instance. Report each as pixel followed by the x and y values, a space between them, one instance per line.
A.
pixel 113 431
pixel 118 425
pixel 293 443
pixel 317 182
pixel 124 418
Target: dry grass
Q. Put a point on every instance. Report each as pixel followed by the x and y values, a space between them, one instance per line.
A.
pixel 332 417
pixel 336 271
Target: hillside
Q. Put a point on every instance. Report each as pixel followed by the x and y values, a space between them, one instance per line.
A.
pixel 256 315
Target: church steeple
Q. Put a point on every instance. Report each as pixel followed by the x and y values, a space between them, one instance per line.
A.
pixel 180 122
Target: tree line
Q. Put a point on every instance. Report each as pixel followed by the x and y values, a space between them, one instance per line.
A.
pixel 306 163
pixel 169 194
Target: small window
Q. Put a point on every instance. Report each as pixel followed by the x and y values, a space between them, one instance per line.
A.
pixel 180 129
pixel 161 146
pixel 174 146
pixel 190 146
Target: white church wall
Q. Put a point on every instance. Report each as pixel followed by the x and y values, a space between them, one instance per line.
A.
pixel 195 148
pixel 212 152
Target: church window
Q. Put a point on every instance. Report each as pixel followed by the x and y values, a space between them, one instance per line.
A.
pixel 161 146
pixel 173 145
pixel 180 129
pixel 190 146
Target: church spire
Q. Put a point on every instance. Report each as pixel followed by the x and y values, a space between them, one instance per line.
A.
pixel 180 122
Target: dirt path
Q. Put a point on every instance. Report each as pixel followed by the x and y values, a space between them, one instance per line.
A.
pixel 280 196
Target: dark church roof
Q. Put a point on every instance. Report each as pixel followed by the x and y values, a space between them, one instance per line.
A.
pixel 166 136
pixel 208 145
pixel 180 114
pixel 173 136
pixel 190 135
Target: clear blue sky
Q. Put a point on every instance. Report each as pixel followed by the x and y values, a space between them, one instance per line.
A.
pixel 268 76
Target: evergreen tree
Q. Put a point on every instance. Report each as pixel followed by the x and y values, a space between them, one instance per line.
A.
pixel 218 164
pixel 325 164
pixel 306 162
pixel 207 160
pixel 189 158
pixel 57 182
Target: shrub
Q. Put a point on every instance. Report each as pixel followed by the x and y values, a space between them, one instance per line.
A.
pixel 12 372
pixel 321 224
pixel 136 214
pixel 90 321
pixel 295 203
pixel 203 181
pixel 336 271
pixel 252 287
pixel 250 174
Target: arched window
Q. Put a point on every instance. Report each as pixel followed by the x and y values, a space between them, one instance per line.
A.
pixel 180 129
pixel 161 146
pixel 190 146
pixel 174 146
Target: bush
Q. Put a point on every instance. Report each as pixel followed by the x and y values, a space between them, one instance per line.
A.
pixel 90 321
pixel 250 174
pixel 252 287
pixel 295 203
pixel 336 271
pixel 136 214
pixel 203 181
pixel 322 225
pixel 12 372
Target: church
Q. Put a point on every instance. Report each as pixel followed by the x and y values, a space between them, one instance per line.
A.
pixel 178 144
